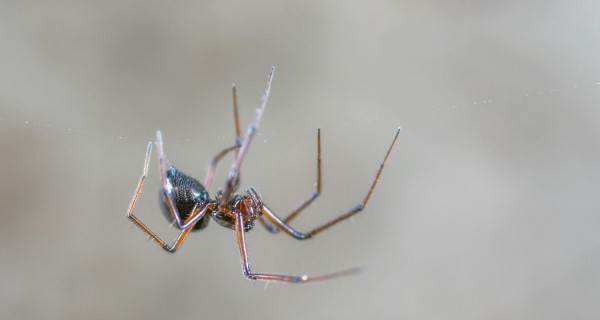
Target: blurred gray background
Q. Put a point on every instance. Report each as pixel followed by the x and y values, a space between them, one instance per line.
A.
pixel 488 208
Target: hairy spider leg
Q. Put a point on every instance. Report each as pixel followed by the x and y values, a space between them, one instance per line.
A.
pixel 241 240
pixel 195 216
pixel 283 225
pixel 233 177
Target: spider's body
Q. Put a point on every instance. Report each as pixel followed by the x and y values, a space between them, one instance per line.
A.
pixel 187 204
pixel 244 205
pixel 187 194
pixel 190 195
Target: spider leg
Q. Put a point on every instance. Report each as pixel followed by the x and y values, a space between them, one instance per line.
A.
pixel 196 215
pixel 210 174
pixel 283 225
pixel 167 189
pixel 241 240
pixel 183 234
pixel 233 177
pixel 212 169
pixel 268 225
pixel 236 117
pixel 313 196
pixel 317 192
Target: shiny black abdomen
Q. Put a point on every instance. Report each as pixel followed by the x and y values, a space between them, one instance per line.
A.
pixel 187 193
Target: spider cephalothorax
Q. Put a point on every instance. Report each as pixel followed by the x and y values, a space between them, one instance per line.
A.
pixel 187 204
pixel 248 205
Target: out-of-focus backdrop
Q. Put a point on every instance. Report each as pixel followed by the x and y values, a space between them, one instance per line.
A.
pixel 488 208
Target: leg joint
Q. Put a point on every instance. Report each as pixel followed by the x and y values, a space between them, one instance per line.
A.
pixel 170 248
pixel 179 226
pixel 357 209
pixel 248 274
pixel 302 236
pixel 299 279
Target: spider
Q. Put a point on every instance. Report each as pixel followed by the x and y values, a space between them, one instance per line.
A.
pixel 186 202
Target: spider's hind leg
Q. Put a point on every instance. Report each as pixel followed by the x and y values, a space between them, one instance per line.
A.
pixel 135 220
pixel 167 189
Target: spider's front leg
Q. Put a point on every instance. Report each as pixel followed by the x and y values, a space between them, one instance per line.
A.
pixel 212 168
pixel 234 173
pixel 195 216
pixel 241 240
